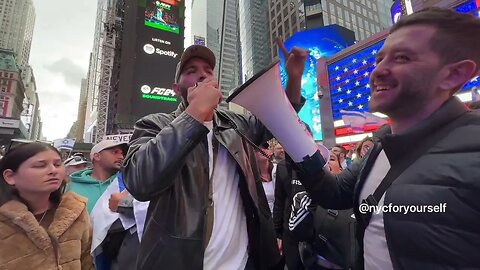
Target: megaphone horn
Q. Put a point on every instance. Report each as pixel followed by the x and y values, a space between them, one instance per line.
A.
pixel 264 97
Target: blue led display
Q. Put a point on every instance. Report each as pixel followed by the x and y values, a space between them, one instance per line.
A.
pixel 396 11
pixel 469 6
pixel 321 42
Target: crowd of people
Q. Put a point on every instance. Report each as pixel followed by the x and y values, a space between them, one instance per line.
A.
pixel 206 188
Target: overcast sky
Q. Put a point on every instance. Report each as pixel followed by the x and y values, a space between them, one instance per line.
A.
pixel 62 42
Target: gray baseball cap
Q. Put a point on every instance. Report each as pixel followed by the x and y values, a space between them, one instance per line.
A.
pixel 192 52
pixel 106 144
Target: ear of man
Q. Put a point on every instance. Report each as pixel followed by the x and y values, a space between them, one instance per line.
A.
pixel 457 74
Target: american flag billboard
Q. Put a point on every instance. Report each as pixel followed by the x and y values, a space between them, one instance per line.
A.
pixel 349 80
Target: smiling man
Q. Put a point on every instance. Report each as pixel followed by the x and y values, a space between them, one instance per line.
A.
pixel 430 156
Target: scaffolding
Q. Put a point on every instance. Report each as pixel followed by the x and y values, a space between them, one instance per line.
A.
pixel 109 37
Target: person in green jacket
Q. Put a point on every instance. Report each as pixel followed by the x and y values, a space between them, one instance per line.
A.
pixel 107 158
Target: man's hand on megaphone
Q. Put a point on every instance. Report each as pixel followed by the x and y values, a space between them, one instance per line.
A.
pixel 202 99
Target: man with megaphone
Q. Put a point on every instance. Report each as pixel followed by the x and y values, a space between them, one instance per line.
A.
pixel 416 193
pixel 197 167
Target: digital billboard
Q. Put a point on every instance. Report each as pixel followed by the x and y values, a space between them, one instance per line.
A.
pixel 349 80
pixel 163 15
pixel 159 45
pixel 321 42
pixel 396 11
pixel 471 6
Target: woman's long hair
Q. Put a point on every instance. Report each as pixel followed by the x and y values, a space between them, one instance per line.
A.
pixel 358 149
pixel 13 159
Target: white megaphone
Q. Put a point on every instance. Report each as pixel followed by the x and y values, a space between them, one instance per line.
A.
pixel 264 97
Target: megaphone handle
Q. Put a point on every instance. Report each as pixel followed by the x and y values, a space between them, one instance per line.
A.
pixel 234 126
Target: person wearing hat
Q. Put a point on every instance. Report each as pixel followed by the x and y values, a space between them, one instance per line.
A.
pixel 77 162
pixel 107 157
pixel 208 209
pixel 114 235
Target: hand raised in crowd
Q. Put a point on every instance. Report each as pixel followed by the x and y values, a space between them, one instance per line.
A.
pixel 295 65
pixel 295 59
pixel 203 99
pixel 115 199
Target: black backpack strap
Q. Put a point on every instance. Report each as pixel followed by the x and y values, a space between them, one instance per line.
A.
pixel 410 158
pixel 324 220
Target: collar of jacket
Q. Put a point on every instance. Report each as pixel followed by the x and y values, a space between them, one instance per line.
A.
pixel 397 145
pixel 220 122
pixel 65 215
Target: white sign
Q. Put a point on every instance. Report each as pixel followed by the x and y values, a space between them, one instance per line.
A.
pixel 161 41
pixel 9 123
pixel 119 137
pixel 150 49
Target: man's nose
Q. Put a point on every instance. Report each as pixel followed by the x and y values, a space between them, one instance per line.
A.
pixel 382 68
pixel 204 74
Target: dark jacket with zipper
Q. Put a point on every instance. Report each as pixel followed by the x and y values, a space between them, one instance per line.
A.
pixel 283 197
pixel 167 163
pixel 448 172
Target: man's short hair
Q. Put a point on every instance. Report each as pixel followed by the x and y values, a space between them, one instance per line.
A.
pixel 457 35
pixel 343 150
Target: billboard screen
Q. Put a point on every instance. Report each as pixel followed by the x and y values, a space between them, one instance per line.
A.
pixel 163 15
pixel 471 6
pixel 349 80
pixel 159 45
pixel 396 11
pixel 321 42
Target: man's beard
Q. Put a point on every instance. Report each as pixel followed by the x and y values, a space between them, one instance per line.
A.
pixel 184 94
pixel 410 99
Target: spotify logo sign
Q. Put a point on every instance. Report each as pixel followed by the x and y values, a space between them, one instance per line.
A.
pixel 149 49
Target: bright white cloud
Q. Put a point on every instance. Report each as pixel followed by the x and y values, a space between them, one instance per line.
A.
pixel 62 42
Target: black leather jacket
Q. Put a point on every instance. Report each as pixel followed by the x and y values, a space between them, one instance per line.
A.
pixel 167 163
pixel 448 172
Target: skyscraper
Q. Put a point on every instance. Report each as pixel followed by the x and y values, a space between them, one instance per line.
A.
pixel 286 18
pixel 254 36
pixel 230 56
pixel 12 95
pixel 30 114
pixel 214 23
pixel 364 17
pixel 17 20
